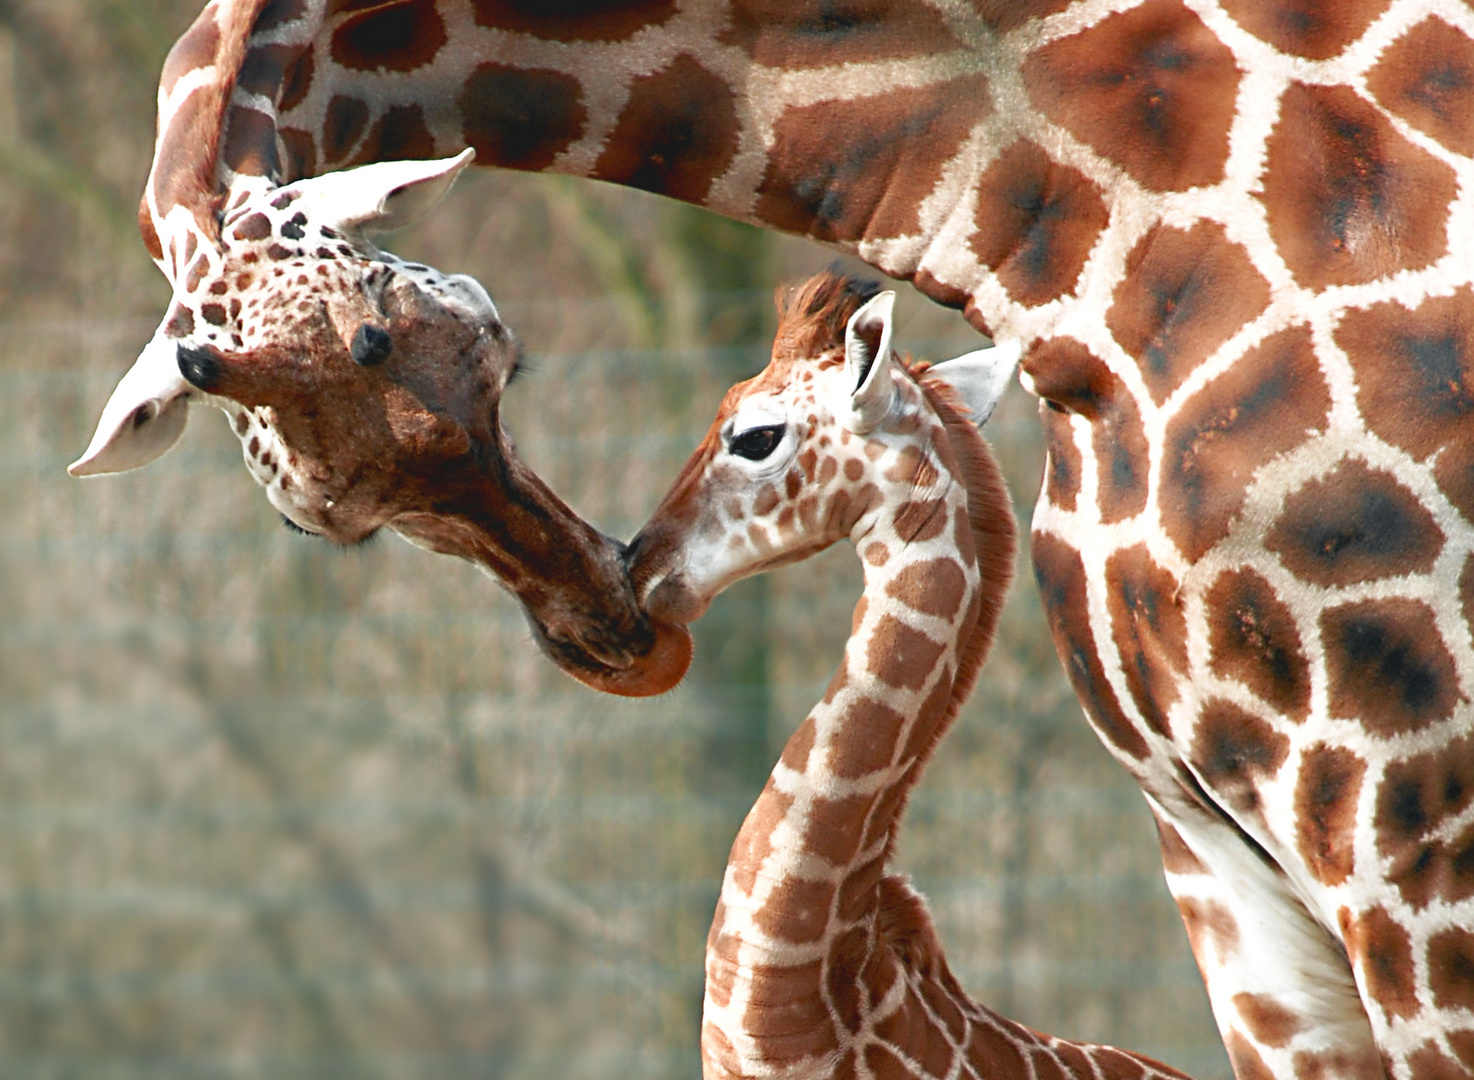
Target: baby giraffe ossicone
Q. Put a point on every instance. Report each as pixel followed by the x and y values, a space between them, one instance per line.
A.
pixel 819 962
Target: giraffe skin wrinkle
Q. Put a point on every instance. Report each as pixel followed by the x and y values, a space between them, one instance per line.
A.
pixel 819 962
pixel 1228 237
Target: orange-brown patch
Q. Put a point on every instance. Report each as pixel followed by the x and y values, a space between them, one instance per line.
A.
pixel 836 827
pixel 1267 403
pixel 677 134
pixel 754 841
pixel 1185 293
pixel 1247 1064
pixel 1149 630
pixel 1388 666
pixel 1267 1020
pixel 869 181
pixel 918 521
pixel 871 734
pixel 1427 78
pixel 1326 795
pixel 934 587
pixel 1177 857
pixel 1153 89
pixel 1428 1062
pixel 912 1029
pixel 800 745
pixel 1317 31
pixel 1234 752
pixel 1355 524
pixel 1451 969
pixel 1037 222
pixel 1383 952
pixel 786 1014
pixel 1210 926
pixel 1252 638
pixel 1350 200
pixel 796 910
pixel 899 656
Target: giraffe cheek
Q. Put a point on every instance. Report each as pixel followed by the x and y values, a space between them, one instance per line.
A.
pixel 674 601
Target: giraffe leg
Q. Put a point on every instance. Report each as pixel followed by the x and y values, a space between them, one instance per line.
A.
pixel 1281 988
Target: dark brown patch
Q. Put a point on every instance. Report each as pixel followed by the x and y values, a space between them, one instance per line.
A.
pixel 1270 401
pixel 1252 638
pixel 402 37
pixel 521 118
pixel 791 34
pixel 871 731
pixel 921 520
pixel 196 48
pixel 912 1030
pixel 1005 15
pixel 997 1047
pixel 1062 467
pixel 254 227
pixel 1352 526
pixel 1428 1062
pixel 852 170
pixel 1037 222
pixel 1350 200
pixel 400 134
pixel 214 314
pixel 1415 383
pixel 572 20
pixel 1061 579
pixel 343 125
pixel 1388 666
pixel 934 587
pixel 1381 949
pixel 1152 89
pixel 1177 857
pixel 677 134
pixel 1416 798
pixel 1427 78
pixel 1185 293
pixel 1451 969
pixel 1308 28
pixel 263 68
pixel 250 143
pixel 1326 795
pixel 900 656
pixel 181 322
pixel 1149 630
pixel 1234 752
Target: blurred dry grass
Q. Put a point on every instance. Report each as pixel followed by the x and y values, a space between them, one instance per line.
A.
pixel 274 810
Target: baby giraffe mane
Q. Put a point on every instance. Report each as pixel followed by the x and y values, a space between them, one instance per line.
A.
pixel 812 317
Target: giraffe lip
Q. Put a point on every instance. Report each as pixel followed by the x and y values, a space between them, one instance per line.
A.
pixel 618 671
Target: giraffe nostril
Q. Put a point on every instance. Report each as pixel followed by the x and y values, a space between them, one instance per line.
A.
pixel 200 367
pixel 371 345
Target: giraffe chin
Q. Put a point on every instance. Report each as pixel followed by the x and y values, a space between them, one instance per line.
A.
pixel 657 671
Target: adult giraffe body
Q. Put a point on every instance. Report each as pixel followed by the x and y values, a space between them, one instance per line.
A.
pixel 1232 238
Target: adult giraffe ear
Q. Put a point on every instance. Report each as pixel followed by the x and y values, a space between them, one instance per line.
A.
pixel 979 378
pixel 383 196
pixel 143 418
pixel 867 364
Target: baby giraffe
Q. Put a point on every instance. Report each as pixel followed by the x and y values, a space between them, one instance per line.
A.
pixel 819 963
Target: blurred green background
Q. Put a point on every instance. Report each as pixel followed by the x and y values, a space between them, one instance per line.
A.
pixel 271 809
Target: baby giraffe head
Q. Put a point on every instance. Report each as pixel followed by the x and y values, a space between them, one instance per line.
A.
pixel 366 392
pixel 835 439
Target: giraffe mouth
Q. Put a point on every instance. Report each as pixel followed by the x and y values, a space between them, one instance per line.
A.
pixel 607 665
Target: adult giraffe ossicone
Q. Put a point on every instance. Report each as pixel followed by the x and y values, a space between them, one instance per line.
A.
pixel 1231 237
pixel 819 963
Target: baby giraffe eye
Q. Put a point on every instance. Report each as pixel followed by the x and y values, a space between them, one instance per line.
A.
pixel 754 444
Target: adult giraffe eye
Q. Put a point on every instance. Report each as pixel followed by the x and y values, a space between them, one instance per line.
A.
pixel 754 444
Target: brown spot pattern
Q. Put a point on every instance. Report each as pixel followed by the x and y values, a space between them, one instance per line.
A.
pixel 1306 28
pixel 1062 470
pixel 786 1013
pixel 1252 638
pixel 1234 752
pixel 677 134
pixel 1210 926
pixel 570 20
pixel 1416 797
pixel 1262 406
pixel 1388 666
pixel 1177 857
pixel 899 656
pixel 343 125
pixel 1451 968
pixel 1061 579
pixel 401 37
pixel 250 143
pixel 1184 294
pixel 1415 383
pixel 836 827
pixel 1354 525
pixel 933 587
pixel 851 170
pixel 1326 795
pixel 872 730
pixel 1149 630
pixel 520 118
pixel 1427 78
pixel 1037 222
pixel 1380 947
pixel 1152 89
pixel 1349 200
pixel 921 520
pixel 401 133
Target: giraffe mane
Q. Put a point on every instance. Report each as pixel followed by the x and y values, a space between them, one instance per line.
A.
pixel 812 317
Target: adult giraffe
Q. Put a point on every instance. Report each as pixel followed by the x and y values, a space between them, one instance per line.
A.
pixel 1225 231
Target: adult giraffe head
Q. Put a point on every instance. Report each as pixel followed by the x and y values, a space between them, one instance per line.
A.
pixel 366 392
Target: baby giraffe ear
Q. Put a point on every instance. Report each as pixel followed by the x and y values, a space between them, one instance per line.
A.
pixel 979 378
pixel 383 196
pixel 867 364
